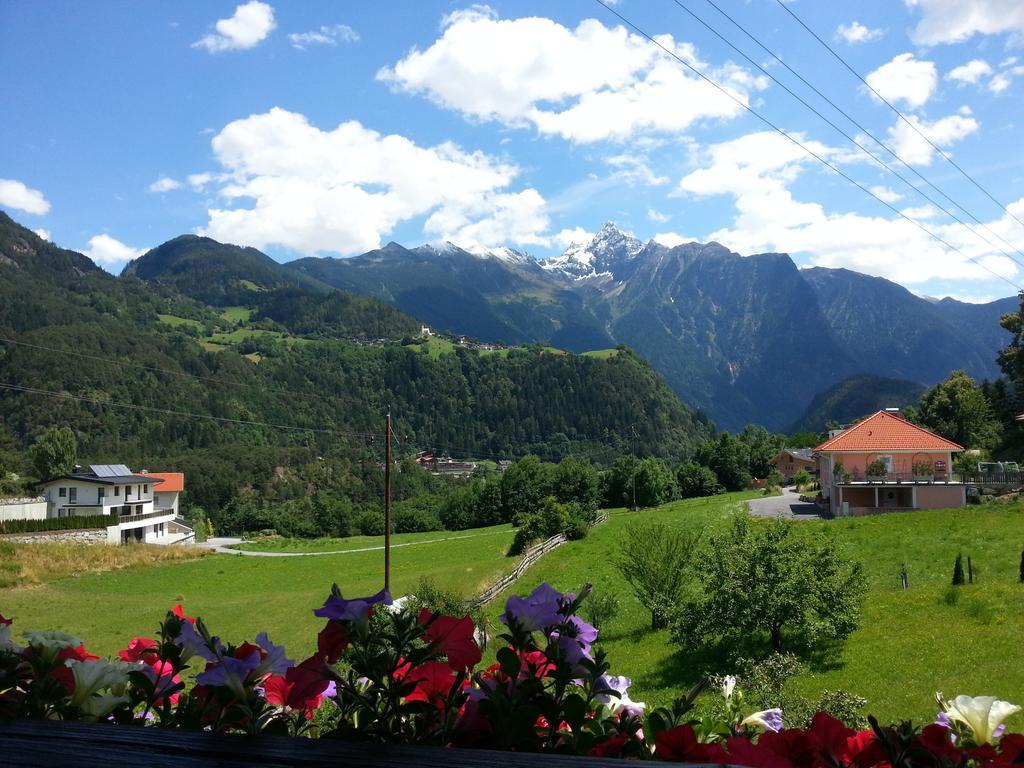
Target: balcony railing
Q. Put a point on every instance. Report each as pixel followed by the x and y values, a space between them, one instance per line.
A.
pixel 133 518
pixel 900 477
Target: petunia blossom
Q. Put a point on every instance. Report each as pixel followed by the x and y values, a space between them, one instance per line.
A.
pixel 452 637
pixel 766 719
pixel 193 644
pixel 539 609
pixel 230 672
pixel 274 662
pixel 139 648
pixel 338 608
pixel 982 714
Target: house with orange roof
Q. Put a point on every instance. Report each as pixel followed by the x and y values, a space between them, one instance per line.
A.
pixel 917 468
pixel 167 487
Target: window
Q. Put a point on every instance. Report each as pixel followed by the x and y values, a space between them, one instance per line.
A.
pixel 101 492
pixel 127 491
pixel 145 489
pixel 72 495
pixel 117 490
pixel 62 492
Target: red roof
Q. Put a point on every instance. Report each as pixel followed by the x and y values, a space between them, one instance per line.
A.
pixel 167 482
pixel 885 431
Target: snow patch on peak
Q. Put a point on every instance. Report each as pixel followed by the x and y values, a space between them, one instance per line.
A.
pixel 501 253
pixel 610 247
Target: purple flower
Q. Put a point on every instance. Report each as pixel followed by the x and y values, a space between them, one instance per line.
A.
pixel 276 662
pixel 609 687
pixel 585 633
pixel 573 652
pixel 230 672
pixel 537 610
pixel 331 690
pixel 192 643
pixel 338 608
pixel 768 719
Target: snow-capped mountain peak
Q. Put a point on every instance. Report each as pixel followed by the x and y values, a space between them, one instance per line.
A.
pixel 609 248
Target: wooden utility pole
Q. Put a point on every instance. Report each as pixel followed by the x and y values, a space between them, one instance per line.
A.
pixel 387 501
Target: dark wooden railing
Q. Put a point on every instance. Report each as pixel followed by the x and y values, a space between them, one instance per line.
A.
pixel 69 745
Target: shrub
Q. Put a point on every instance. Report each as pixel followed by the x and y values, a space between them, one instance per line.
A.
pixel 695 481
pixel 370 523
pixel 877 468
pixel 601 608
pixel 922 468
pixel 656 560
pixel 75 523
pixel 801 478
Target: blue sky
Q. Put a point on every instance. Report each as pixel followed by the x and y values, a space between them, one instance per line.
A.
pixel 331 128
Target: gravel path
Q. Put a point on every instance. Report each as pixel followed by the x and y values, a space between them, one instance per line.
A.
pixel 220 545
pixel 787 506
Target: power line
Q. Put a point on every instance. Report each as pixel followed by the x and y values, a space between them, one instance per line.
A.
pixel 855 122
pixel 803 146
pixel 211 379
pixel 885 101
pixel 184 414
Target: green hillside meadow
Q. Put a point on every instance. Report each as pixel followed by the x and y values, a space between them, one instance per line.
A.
pixel 910 643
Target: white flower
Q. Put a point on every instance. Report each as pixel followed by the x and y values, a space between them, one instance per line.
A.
pixel 101 706
pixel 982 714
pixel 768 719
pixel 94 676
pixel 728 684
pixel 52 640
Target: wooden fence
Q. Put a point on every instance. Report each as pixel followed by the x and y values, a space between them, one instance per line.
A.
pixel 530 556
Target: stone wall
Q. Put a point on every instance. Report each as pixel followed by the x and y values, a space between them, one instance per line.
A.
pixel 84 536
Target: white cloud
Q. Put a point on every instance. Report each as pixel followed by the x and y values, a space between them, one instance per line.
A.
pixel 164 184
pixel 886 194
pixel 14 194
pixel 200 180
pixel 250 25
pixel 584 84
pixel 912 146
pixel 855 32
pixel 905 79
pixel 1004 79
pixel 971 72
pixel 635 169
pixel 657 216
pixel 953 21
pixel 756 171
pixel 108 252
pixel 575 236
pixel 923 212
pixel 341 190
pixel 43 233
pixel 339 33
pixel 672 239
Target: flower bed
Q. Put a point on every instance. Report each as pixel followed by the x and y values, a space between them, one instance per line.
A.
pixel 388 675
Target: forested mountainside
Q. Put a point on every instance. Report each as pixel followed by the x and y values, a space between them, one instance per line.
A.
pixel 102 343
pixel 855 397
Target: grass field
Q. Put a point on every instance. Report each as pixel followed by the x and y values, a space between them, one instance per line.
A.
pixel 175 322
pixel 601 354
pixel 241 596
pixel 362 542
pixel 236 314
pixel 910 644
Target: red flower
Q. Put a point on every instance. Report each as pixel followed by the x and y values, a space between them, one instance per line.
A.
pixel 300 689
pixel 452 637
pixel 332 641
pixel 434 682
pixel 794 745
pixel 162 674
pixel 937 740
pixel 5 622
pixel 839 744
pixel 180 613
pixel 78 654
pixel 743 751
pixel 680 744
pixel 139 649
pixel 63 675
pixel 537 663
pixel 612 747
pixel 247 649
pixel 1011 745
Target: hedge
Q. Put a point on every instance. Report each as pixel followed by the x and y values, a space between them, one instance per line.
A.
pixel 57 524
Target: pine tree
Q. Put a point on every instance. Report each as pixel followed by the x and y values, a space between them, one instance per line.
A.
pixel 958 571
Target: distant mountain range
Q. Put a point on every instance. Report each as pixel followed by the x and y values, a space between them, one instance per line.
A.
pixel 747 339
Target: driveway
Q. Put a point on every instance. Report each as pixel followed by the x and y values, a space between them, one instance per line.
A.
pixel 787 506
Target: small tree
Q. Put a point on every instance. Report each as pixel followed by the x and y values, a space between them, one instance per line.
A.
pixel 877 468
pixel 802 478
pixel 773 580
pixel 695 481
pixel 655 559
pixel 600 608
pixel 958 571
pixel 54 453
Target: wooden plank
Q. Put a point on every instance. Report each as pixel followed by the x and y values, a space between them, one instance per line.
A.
pixel 52 743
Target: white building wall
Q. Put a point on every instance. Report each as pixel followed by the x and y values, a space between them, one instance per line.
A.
pixel 23 509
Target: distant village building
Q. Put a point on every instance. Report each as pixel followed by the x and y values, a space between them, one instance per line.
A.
pixel 445 465
pixel 145 512
pixel 789 461
pixel 917 466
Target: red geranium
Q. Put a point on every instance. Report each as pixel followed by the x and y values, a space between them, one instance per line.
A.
pixel 680 744
pixel 139 649
pixel 452 637
pixel 332 641
pixel 180 613
pixel 434 682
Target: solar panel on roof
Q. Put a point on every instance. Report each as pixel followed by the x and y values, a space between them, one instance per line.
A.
pixel 109 470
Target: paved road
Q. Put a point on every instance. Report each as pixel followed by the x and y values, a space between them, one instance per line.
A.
pixel 220 545
pixel 787 506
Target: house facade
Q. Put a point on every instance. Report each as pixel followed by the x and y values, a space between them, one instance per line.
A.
pixel 127 498
pixel 917 468
pixel 789 461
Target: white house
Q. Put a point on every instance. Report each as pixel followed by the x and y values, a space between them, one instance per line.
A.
pixel 114 490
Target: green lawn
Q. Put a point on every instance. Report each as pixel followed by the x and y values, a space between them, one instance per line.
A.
pixel 361 542
pixel 175 322
pixel 241 596
pixel 236 314
pixel 910 644
pixel 601 354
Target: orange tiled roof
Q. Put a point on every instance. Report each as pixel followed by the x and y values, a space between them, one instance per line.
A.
pixel 884 431
pixel 168 482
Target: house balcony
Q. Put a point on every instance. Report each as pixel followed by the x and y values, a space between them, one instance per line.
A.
pixel 900 478
pixel 133 518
